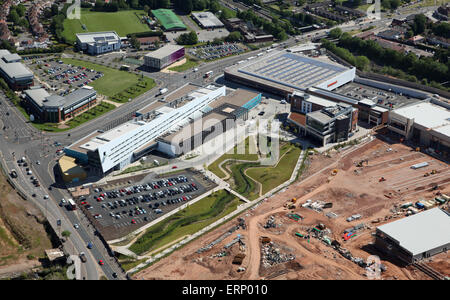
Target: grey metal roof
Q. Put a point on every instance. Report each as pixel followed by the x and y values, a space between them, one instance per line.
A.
pixel 291 69
pixel 164 51
pixel 12 58
pixel 15 69
pixel 78 95
pixel 38 95
pixel 207 19
pixel 420 232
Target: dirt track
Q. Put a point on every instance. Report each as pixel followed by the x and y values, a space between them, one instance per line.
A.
pixel 352 190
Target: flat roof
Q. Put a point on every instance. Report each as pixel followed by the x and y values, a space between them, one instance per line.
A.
pixel 118 131
pixel 420 232
pixel 193 129
pixel 207 19
pixel 282 68
pixel 43 98
pixel 98 37
pixel 297 118
pixel 168 19
pixel 38 95
pixel 77 95
pixel 164 51
pixel 320 101
pixel 15 69
pixel 428 115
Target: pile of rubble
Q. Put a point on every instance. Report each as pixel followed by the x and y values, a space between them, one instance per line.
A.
pixel 221 238
pixel 272 256
pixel 270 223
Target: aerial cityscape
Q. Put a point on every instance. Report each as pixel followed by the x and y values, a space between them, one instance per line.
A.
pixel 225 140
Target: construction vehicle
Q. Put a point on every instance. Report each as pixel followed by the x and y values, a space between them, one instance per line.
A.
pixel 426 174
pixel 361 162
pixel 334 172
pixel 294 200
pixel 418 149
pixel 381 179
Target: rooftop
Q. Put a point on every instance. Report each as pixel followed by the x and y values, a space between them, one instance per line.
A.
pixel 420 232
pixel 98 37
pixel 428 115
pixel 207 19
pixel 164 51
pixel 168 19
pixel 288 70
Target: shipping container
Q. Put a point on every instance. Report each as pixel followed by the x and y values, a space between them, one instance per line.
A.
pixel 418 166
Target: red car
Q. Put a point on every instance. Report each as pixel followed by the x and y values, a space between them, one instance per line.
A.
pixel 174 167
pixel 84 202
pixel 100 262
pixel 133 221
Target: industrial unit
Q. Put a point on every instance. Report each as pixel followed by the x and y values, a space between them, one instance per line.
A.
pixel 95 43
pixel 53 108
pixel 426 123
pixel 16 75
pixel 122 145
pixel 416 237
pixel 207 20
pixel 282 73
pixel 164 56
pixel 168 20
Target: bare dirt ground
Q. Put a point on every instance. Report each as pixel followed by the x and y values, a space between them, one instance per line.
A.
pixel 353 190
pixel 23 238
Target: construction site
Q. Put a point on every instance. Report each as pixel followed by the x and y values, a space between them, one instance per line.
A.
pixel 323 226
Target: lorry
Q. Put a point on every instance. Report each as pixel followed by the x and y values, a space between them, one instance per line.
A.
pixel 162 91
pixel 208 74
pixel 72 204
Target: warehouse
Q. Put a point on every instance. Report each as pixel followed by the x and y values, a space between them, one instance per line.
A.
pixel 416 237
pixel 126 143
pixel 164 56
pixel 207 20
pixel 168 20
pixel 95 43
pixel 53 108
pixel 426 123
pixel 16 75
pixel 282 73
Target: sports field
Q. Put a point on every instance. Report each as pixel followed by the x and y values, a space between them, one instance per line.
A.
pixel 123 22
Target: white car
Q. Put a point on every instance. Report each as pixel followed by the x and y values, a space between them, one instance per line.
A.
pixel 76 226
pixel 63 200
pixel 45 196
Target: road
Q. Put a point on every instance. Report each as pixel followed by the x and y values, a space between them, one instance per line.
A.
pixel 18 138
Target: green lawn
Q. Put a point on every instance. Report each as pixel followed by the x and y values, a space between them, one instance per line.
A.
pixel 123 22
pixel 214 167
pixel 189 64
pixel 186 222
pixel 271 177
pixel 116 84
pixel 241 183
pixel 91 114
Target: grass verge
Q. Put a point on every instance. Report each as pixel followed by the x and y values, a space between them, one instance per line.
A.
pixel 186 222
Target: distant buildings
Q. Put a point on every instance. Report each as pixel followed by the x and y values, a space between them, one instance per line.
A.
pixel 37 28
pixel 53 108
pixel 249 32
pixel 168 20
pixel 207 20
pixel 16 75
pixel 164 56
pixel 95 43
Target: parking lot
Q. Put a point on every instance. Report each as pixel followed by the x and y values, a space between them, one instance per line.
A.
pixel 60 77
pixel 389 100
pixel 216 51
pixel 117 212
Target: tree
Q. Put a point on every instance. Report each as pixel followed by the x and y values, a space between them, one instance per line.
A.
pixel 65 233
pixel 188 38
pixel 54 9
pixel 234 36
pixel 146 9
pixel 335 33
pixel 362 62
pixel 419 24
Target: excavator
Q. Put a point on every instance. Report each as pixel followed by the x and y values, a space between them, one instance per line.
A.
pixel 381 179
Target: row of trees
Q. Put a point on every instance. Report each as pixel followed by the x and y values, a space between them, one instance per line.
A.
pixel 423 68
pixel 188 38
pixel 361 61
